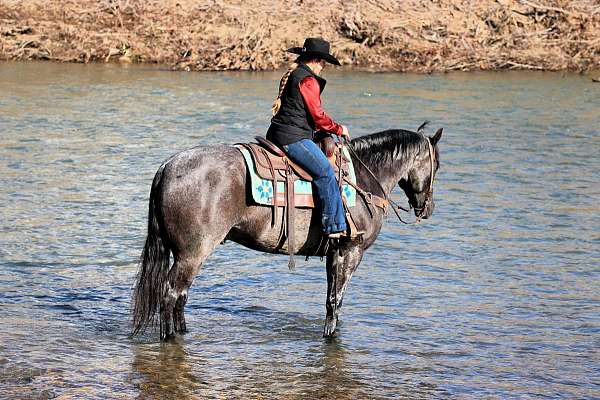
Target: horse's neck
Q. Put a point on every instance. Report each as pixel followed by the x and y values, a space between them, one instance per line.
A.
pixel 387 177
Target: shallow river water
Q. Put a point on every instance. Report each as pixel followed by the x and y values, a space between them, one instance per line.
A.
pixel 496 296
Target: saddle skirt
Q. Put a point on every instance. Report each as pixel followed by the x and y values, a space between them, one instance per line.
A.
pixel 266 168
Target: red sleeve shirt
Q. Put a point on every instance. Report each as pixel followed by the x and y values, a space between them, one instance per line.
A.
pixel 311 93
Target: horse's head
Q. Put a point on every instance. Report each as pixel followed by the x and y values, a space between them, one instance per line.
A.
pixel 418 183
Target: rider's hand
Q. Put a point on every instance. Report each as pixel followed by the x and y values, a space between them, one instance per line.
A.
pixel 345 131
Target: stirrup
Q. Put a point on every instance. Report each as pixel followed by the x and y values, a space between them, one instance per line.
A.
pixel 358 237
pixel 335 235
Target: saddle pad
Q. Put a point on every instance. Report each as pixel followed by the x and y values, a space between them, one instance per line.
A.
pixel 262 189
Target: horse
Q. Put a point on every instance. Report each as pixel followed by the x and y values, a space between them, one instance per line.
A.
pixel 199 199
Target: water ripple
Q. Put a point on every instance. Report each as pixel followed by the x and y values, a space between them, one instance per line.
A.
pixel 494 297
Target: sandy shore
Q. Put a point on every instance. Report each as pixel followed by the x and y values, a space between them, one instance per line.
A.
pixel 378 35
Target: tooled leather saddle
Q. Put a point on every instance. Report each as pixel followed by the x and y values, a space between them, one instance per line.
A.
pixel 272 164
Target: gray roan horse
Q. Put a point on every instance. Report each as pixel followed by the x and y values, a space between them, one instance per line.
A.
pixel 199 198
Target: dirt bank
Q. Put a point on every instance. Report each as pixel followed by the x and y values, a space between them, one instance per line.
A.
pixel 381 35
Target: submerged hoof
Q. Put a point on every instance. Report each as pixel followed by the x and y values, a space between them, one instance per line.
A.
pixel 329 330
pixel 169 337
pixel 167 334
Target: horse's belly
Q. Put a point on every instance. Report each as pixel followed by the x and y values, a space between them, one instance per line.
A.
pixel 258 232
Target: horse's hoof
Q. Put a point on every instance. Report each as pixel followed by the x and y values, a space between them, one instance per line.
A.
pixel 169 338
pixel 329 329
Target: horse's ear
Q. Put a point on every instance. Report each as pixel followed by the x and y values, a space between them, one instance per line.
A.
pixel 436 138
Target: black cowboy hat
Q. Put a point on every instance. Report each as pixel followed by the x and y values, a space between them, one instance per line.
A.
pixel 315 47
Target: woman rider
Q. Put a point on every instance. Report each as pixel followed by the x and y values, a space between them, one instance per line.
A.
pixel 297 115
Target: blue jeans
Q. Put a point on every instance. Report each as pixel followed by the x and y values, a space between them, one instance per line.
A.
pixel 310 157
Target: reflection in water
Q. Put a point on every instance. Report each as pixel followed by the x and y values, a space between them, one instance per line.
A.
pixel 163 371
pixel 495 297
pixel 341 375
pixel 334 378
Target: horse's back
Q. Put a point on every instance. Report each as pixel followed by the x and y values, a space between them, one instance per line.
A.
pixel 200 158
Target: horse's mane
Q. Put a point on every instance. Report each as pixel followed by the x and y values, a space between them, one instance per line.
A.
pixel 381 148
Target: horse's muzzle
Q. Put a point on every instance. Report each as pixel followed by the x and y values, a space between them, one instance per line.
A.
pixel 426 211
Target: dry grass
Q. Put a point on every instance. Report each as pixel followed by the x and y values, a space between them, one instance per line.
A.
pixel 410 35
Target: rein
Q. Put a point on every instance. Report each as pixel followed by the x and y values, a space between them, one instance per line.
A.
pixel 395 206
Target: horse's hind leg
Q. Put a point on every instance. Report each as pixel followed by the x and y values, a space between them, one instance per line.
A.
pixel 184 276
pixel 166 312
pixel 178 316
pixel 180 278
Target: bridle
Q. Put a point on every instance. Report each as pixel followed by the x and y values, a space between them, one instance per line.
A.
pixel 429 196
pixel 395 206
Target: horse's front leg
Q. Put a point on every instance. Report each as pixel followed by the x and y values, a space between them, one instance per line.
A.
pixel 341 264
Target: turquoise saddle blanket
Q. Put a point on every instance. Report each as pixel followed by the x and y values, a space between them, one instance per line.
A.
pixel 262 189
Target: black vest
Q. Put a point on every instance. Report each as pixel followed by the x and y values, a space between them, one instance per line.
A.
pixel 293 122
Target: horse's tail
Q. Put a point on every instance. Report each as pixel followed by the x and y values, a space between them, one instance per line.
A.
pixel 154 265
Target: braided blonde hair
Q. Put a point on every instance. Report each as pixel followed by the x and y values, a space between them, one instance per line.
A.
pixel 282 83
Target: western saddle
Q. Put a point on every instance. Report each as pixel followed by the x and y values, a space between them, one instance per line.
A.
pixel 273 164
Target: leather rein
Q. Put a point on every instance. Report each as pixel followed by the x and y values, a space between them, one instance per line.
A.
pixel 369 197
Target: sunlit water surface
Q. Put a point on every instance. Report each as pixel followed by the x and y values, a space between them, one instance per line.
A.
pixel 496 296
